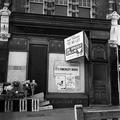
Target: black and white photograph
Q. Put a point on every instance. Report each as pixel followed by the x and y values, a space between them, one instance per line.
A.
pixel 59 59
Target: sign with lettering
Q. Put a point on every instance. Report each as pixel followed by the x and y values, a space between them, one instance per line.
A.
pixel 76 46
pixel 67 69
pixel 65 77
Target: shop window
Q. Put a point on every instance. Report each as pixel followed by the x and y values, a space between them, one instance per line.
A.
pixel 17 59
pixel 65 77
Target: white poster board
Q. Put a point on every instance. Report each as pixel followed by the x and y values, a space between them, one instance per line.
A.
pixel 17 66
pixel 65 77
pixel 76 46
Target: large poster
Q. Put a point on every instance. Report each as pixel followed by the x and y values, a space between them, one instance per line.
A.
pixel 17 66
pixel 65 77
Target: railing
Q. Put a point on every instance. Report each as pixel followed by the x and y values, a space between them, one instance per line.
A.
pixel 96 112
pixel 20 105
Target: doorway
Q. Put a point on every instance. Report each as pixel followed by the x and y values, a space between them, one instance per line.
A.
pixel 100 94
pixel 3 65
pixel 37 67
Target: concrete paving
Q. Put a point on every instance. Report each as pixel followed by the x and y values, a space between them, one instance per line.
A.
pixel 55 114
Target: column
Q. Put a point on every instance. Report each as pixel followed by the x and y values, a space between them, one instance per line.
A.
pixel 114 58
pixel 4 36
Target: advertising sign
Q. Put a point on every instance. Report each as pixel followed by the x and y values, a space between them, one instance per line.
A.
pixel 76 46
pixel 65 77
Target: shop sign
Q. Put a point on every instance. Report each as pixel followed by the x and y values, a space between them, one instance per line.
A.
pixel 66 69
pixel 76 46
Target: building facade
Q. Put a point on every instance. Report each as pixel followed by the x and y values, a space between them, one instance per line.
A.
pixel 35 51
pixel 74 8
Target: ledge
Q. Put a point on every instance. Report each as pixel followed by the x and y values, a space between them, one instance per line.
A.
pixel 58 22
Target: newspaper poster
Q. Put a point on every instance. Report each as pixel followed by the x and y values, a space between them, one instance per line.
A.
pixel 60 82
pixel 65 77
pixel 70 82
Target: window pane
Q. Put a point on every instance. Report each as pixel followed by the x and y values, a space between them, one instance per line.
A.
pixel 84 3
pixel 80 3
pixel 88 3
pixel 74 7
pixel 37 1
pixel 61 2
pixel 73 14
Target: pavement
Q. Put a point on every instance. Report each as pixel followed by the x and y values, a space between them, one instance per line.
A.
pixel 55 114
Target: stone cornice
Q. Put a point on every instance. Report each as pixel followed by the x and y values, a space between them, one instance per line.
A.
pixel 58 22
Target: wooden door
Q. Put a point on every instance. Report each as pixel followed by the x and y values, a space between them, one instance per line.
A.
pixel 3 64
pixel 37 68
pixel 100 83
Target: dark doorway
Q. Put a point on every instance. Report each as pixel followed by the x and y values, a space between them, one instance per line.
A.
pixel 3 65
pixel 100 83
pixel 37 68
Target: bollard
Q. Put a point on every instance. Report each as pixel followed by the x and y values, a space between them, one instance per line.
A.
pixel 79 115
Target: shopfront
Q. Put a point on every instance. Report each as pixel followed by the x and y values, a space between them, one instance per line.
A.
pixel 37 52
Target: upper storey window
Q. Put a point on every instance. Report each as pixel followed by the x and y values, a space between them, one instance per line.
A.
pixel 37 1
pixel 73 8
pixel 84 3
pixel 61 2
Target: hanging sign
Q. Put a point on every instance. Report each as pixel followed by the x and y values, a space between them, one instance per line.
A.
pixel 76 46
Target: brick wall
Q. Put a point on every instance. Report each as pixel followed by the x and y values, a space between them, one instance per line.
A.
pixel 102 8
